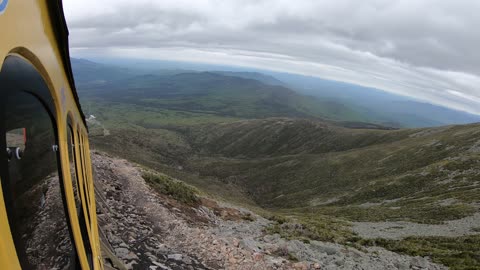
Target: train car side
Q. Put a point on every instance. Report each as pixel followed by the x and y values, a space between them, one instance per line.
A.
pixel 34 63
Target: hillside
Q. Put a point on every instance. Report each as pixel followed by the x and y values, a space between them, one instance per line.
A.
pixel 282 136
pixel 266 79
pixel 178 234
pixel 313 171
pixel 88 73
pixel 346 167
pixel 216 94
pixel 379 106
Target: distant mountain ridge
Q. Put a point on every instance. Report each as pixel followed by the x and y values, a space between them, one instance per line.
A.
pixel 380 106
pixel 87 72
pixel 254 94
pixel 266 79
pixel 214 93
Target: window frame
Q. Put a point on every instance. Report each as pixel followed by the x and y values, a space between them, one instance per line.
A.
pixel 18 75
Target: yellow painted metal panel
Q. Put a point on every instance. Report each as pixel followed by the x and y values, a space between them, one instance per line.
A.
pixel 97 247
pixel 26 31
pixel 69 195
pixel 8 255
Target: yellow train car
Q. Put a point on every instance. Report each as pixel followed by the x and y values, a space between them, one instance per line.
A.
pixel 47 204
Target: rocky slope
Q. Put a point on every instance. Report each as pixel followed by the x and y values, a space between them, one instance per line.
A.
pixel 148 230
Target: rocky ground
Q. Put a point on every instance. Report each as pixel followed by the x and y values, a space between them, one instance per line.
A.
pixel 47 241
pixel 147 230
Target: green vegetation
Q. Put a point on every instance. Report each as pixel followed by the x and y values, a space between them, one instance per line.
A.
pixel 310 227
pixel 272 150
pixel 393 175
pixel 314 176
pixel 457 253
pixel 313 167
pixel 248 217
pixel 131 116
pixel 430 214
pixel 211 94
pixel 454 252
pixel 171 187
pixel 283 252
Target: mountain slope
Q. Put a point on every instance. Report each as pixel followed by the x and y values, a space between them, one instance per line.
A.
pixel 208 235
pixel 379 106
pixel 306 165
pixel 88 73
pixel 363 166
pixel 314 171
pixel 282 136
pixel 288 163
pixel 208 92
pixel 266 79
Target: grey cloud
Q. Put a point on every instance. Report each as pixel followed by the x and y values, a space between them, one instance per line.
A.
pixel 426 49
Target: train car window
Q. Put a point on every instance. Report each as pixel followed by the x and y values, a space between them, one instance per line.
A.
pixel 87 196
pixel 35 203
pixel 77 186
pixel 73 171
pixel 87 174
pixel 82 165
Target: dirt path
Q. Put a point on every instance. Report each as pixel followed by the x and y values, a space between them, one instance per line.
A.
pixel 151 231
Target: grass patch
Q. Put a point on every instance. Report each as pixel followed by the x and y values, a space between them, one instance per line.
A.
pixel 248 217
pixel 306 228
pixel 277 218
pixel 423 213
pixel 459 253
pixel 171 187
pixel 126 115
pixel 285 253
pixel 291 257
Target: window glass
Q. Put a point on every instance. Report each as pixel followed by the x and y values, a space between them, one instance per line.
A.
pixel 71 158
pixel 35 202
pixel 87 177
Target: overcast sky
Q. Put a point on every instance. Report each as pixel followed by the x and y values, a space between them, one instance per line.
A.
pixel 422 48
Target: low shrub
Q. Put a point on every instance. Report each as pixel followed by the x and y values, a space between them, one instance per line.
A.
pixel 172 187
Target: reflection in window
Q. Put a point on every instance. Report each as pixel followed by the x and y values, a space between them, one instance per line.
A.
pixel 35 207
pixel 16 140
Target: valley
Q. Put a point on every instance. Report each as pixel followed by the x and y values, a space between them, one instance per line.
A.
pixel 363 175
pixel 317 169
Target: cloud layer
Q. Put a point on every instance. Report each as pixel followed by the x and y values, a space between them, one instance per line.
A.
pixel 421 48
